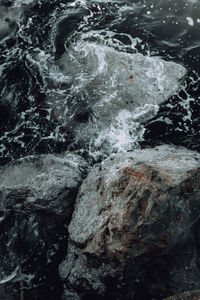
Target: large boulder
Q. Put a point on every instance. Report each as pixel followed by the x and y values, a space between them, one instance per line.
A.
pixel 118 90
pixel 132 228
pixel 37 196
pixel 112 81
pixel 9 17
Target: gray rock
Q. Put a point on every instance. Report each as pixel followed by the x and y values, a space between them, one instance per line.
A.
pixel 120 90
pixel 115 81
pixel 134 215
pixel 44 182
pixel 37 197
pixel 83 276
pixel 9 17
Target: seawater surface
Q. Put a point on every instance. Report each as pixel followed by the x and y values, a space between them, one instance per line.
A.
pixel 42 110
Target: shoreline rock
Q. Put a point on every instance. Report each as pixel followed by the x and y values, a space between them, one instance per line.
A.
pixel 136 81
pixel 37 198
pixel 132 211
pixel 190 295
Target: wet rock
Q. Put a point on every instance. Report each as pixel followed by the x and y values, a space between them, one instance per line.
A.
pixel 37 197
pixel 132 232
pixel 114 80
pixel 9 16
pixel 115 91
pixel 190 295
pixel 129 196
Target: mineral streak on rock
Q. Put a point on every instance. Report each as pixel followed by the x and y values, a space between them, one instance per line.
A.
pixel 137 203
pixel 190 295
pixel 134 214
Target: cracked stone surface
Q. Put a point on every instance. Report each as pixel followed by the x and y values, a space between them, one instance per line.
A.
pixel 132 210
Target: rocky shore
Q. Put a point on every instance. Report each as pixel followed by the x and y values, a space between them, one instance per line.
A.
pixel 127 230
pixel 122 225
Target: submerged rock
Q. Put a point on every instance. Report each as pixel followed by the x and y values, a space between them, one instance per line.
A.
pixel 132 230
pixel 37 197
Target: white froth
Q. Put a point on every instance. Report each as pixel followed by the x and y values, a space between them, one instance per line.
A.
pixel 123 134
pixel 17 276
pixel 114 80
pixel 190 21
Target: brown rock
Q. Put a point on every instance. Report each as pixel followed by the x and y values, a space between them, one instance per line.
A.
pixel 131 234
pixel 190 295
pixel 137 203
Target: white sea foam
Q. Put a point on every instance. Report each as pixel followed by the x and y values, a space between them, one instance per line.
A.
pixel 17 276
pixel 121 89
pixel 122 135
pixel 112 80
pixel 190 21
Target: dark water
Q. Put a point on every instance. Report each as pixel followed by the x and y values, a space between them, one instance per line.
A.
pixel 40 110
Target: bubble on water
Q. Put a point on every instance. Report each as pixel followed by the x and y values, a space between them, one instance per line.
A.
pixel 190 21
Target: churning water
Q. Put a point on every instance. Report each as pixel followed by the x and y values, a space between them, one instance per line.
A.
pixel 60 59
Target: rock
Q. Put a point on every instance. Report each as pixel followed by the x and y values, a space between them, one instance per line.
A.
pixel 190 295
pixel 9 17
pixel 115 81
pixel 129 196
pixel 115 92
pixel 134 215
pixel 37 197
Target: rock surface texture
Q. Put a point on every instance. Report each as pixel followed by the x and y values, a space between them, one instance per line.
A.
pixel 190 295
pixel 137 79
pixel 37 199
pixel 118 90
pixel 9 16
pixel 134 231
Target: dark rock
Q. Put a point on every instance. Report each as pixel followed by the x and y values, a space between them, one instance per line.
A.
pixel 190 295
pixel 37 198
pixel 132 235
